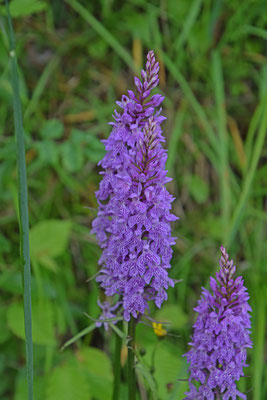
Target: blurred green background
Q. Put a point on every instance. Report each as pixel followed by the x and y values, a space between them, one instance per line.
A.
pixel 76 58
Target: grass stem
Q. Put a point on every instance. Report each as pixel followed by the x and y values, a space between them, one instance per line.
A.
pixel 23 208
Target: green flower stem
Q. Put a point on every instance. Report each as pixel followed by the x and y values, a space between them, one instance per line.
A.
pixel 131 365
pixel 117 365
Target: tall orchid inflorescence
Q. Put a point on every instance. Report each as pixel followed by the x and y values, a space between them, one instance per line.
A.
pixel 221 337
pixel 133 222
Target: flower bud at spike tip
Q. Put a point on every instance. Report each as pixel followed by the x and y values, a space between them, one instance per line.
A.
pixel 221 337
pixel 134 215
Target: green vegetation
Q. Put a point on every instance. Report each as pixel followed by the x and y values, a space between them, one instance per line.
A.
pixel 75 58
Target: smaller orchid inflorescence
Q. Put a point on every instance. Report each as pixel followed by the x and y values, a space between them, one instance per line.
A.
pixel 221 337
pixel 133 222
pixel 107 313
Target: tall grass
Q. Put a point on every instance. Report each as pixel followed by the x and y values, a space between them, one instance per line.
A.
pixel 23 206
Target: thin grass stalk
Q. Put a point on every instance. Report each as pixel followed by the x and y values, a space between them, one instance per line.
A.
pixel 255 120
pixel 102 31
pixel 223 140
pixel 175 136
pixel 23 208
pixel 196 106
pixel 188 24
pixel 117 365
pixel 240 207
pixel 131 365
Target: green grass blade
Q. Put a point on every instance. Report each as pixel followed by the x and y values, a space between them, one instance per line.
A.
pixel 118 331
pixel 254 123
pixel 48 71
pixel 214 16
pixel 79 335
pixel 234 21
pixel 255 120
pixel 188 24
pixel 40 87
pixel 255 31
pixel 192 100
pixel 102 31
pixel 23 208
pixel 240 208
pixel 175 136
pixel 223 140
pixel 104 319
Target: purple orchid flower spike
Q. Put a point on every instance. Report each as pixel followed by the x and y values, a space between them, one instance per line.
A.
pixel 133 222
pixel 221 337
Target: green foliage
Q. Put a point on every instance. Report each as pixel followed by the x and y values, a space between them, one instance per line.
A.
pixel 68 381
pixel 198 189
pixel 49 239
pixel 21 388
pixel 97 367
pixel 52 129
pixel 166 367
pixel 19 8
pixel 75 59
pixel 72 157
pixel 4 332
pixel 48 152
pixel 43 322
pixel 172 314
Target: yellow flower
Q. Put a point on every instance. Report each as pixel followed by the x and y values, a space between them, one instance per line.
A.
pixel 159 331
